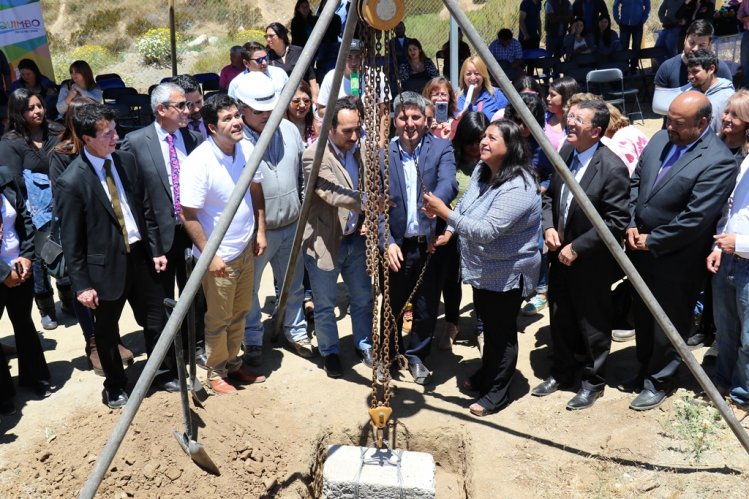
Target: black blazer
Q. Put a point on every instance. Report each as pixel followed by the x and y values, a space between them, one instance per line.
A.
pixel 606 183
pixel 91 236
pixel 11 190
pixel 681 212
pixel 436 165
pixel 144 145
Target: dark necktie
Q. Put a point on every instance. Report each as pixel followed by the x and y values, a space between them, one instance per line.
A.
pixel 174 168
pixel 195 126
pixel 668 164
pixel 116 204
pixel 574 167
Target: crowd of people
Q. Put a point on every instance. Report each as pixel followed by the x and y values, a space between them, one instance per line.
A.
pixel 473 197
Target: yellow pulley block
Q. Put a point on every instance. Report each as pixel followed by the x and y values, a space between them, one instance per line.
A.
pixel 382 15
pixel 380 416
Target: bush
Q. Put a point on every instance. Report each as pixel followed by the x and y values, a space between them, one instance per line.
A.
pixel 100 21
pixel 249 35
pixel 155 46
pixel 138 26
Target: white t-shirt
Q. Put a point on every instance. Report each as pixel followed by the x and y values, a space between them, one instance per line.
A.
pixel 207 179
pixel 277 75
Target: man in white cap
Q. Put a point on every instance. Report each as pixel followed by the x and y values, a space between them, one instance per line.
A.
pixel 208 177
pixel 281 170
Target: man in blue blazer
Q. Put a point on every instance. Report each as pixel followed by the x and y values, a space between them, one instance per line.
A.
pixel 419 162
pixel 678 190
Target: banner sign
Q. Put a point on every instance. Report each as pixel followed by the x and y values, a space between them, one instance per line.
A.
pixel 23 35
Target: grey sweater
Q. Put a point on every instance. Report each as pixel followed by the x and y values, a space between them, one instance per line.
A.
pixel 281 168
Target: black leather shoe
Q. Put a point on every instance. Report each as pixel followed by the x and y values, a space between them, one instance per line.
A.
pixel 419 372
pixel 171 386
pixel 631 385
pixel 366 357
pixel 549 386
pixel 116 399
pixel 201 359
pixel 332 365
pixel 583 399
pixel 648 399
pixel 42 388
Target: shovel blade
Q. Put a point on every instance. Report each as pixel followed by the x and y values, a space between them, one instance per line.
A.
pixel 197 453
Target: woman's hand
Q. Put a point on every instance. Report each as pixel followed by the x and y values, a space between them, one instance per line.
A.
pixel 443 239
pixel 434 206
pixel 442 130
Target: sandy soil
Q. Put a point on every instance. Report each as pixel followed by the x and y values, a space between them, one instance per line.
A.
pixel 267 440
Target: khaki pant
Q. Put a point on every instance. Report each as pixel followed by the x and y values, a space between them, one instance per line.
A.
pixel 229 299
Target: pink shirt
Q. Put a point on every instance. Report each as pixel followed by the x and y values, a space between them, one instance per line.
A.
pixel 227 75
pixel 555 137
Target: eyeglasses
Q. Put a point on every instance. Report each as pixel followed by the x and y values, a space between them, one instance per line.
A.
pixel 260 60
pixel 179 105
pixel 439 94
pixel 577 119
pixel 296 102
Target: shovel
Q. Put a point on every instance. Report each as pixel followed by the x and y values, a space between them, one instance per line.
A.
pixel 186 440
pixel 199 395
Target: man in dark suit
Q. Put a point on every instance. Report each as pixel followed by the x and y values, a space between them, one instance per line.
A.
pixel 111 241
pixel 582 269
pixel 681 183
pixel 419 162
pixel 159 150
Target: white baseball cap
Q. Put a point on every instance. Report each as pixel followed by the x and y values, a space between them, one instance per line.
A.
pixel 256 91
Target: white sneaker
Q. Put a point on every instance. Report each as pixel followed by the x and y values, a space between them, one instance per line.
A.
pixel 535 305
pixel 623 334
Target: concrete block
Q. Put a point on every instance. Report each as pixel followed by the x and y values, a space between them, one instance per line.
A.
pixel 344 476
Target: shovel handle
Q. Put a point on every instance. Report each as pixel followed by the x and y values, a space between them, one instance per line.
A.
pixel 181 374
pixel 190 319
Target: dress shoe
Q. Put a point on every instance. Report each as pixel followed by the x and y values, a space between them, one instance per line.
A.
pixel 631 385
pixel 221 387
pixel 448 336
pixel 171 386
pixel 201 358
pixel 622 335
pixel 648 399
pixel 419 372
pixel 245 377
pixel 303 348
pixel 549 386
pixel 332 366
pixel 701 338
pixel 7 407
pixel 583 399
pixel 115 399
pixel 253 355
pixel 366 357
pixel 125 354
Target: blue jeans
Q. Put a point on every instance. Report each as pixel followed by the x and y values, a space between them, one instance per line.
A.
pixel 731 303
pixel 351 265
pixel 277 253
pixel 669 38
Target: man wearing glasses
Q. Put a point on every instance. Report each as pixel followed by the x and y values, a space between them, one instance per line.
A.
pixel 582 269
pixel 281 168
pixel 160 149
pixel 255 59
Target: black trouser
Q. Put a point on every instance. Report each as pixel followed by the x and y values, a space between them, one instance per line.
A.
pixel 32 366
pixel 659 361
pixel 581 318
pixel 425 301
pixel 499 311
pixel 146 297
pixel 452 291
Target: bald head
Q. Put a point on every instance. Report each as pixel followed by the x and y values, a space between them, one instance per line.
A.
pixel 688 116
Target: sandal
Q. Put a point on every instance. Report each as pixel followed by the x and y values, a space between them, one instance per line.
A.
pixel 479 410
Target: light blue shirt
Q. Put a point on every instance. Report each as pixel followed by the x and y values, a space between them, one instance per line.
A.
pixel 417 224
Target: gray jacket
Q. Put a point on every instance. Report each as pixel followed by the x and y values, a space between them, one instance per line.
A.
pixel 718 94
pixel 282 172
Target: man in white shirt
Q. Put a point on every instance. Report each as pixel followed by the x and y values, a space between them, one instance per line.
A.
pixel 255 58
pixel 729 261
pixel 209 175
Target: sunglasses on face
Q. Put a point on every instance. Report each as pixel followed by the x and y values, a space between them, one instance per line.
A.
pixel 179 105
pixel 261 60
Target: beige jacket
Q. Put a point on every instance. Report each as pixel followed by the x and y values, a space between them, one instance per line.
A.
pixel 334 197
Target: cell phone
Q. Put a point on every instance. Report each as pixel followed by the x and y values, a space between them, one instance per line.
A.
pixel 440 112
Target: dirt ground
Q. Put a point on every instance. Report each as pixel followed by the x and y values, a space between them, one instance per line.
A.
pixel 267 440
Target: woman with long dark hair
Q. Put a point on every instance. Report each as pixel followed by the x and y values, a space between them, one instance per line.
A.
pixel 16 295
pixel 299 112
pixel 33 80
pixel 25 149
pixel 81 83
pixel 560 90
pixel 498 220
pixel 416 71
pixel 605 38
pixel 302 23
pixel 284 55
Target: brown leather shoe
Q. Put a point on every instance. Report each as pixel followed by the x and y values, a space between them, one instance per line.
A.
pixel 125 354
pixel 244 376
pixel 221 387
pixel 93 358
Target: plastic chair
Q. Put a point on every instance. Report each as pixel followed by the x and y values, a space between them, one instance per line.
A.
pixel 614 78
pixel 107 76
pixel 111 83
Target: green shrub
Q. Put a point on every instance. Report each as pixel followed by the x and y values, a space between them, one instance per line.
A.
pixel 138 26
pixel 249 35
pixel 155 46
pixel 98 22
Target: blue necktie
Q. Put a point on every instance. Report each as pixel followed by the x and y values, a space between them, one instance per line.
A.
pixel 668 164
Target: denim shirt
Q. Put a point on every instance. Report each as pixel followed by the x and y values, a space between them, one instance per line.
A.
pixel 38 198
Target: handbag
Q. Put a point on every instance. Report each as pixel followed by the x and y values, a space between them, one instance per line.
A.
pixel 51 251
